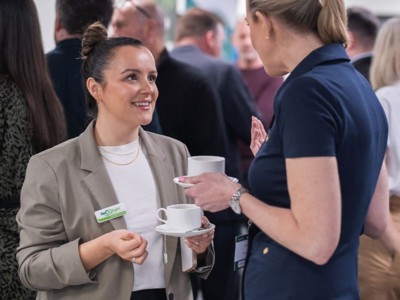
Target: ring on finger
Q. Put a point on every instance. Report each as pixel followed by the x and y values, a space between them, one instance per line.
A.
pixel 133 259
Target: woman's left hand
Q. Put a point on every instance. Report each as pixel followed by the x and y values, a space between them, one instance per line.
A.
pixel 200 243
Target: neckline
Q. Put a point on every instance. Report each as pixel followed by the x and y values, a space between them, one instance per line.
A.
pixel 121 155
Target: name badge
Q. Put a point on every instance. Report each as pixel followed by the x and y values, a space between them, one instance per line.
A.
pixel 241 242
pixel 110 212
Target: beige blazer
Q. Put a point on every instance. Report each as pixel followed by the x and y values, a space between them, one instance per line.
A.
pixel 63 188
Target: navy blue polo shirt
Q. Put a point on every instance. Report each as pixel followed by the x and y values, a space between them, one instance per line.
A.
pixel 324 108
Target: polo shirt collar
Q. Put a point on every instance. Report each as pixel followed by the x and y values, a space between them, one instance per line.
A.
pixel 323 55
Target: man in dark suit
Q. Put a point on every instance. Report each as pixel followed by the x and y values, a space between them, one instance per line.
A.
pixel 187 105
pixel 363 26
pixel 72 18
pixel 199 38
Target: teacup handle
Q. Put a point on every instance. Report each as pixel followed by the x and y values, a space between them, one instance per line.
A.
pixel 158 214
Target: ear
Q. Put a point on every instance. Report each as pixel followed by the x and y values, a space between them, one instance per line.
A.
pixel 58 23
pixel 265 22
pixel 352 41
pixel 209 40
pixel 149 28
pixel 94 89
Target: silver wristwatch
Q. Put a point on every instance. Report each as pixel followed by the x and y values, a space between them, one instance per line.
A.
pixel 235 205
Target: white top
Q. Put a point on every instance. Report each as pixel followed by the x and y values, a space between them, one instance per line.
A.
pixel 135 186
pixel 389 96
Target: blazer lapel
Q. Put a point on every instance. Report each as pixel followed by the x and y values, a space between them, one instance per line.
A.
pixel 97 181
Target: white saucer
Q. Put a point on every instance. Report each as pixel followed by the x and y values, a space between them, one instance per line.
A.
pixel 187 185
pixel 163 229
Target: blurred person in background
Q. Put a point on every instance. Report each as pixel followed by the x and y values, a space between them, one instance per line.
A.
pixel 318 179
pixel 363 27
pixel 379 274
pixel 262 86
pixel 67 251
pixel 198 42
pixel 31 120
pixel 190 113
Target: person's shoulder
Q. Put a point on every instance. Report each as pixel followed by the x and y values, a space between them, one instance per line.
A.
pixel 68 49
pixel 56 53
pixel 65 151
pixel 183 68
pixel 187 75
pixel 306 88
pixel 389 92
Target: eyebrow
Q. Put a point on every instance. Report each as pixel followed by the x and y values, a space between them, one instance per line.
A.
pixel 136 71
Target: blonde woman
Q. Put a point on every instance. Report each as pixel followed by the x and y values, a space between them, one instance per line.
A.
pixel 380 259
pixel 319 180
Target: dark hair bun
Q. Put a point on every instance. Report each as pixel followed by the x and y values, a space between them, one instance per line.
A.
pixel 94 34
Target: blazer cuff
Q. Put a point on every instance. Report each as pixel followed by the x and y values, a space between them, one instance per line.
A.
pixel 205 270
pixel 70 257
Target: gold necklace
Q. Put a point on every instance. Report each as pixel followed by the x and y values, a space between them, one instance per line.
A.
pixel 122 164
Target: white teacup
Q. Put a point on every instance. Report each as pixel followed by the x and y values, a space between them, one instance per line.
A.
pixel 205 164
pixel 182 217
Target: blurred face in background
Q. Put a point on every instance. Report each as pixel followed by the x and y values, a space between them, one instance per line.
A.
pixel 241 40
pixel 130 21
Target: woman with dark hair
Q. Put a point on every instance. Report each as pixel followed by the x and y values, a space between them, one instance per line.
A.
pixel 318 180
pixel 66 251
pixel 31 120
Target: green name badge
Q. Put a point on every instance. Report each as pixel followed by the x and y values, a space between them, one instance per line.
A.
pixel 110 212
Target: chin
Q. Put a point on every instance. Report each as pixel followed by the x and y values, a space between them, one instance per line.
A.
pixel 274 72
pixel 146 121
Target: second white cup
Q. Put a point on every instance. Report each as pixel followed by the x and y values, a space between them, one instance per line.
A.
pixel 205 164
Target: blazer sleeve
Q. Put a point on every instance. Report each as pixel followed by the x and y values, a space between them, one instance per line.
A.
pixel 47 259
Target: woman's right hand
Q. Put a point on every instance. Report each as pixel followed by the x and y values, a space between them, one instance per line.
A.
pixel 127 245
pixel 258 135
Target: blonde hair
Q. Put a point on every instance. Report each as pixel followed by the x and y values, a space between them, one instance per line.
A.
pixel 327 18
pixel 385 67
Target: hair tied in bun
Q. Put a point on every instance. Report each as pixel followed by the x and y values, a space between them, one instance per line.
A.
pixel 94 34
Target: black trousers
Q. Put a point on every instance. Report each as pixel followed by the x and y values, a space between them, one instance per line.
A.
pixel 153 294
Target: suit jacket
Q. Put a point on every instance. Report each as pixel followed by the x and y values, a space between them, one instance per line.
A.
pixel 363 65
pixel 234 96
pixel 65 71
pixel 188 108
pixel 63 188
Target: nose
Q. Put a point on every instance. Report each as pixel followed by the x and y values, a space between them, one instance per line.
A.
pixel 247 41
pixel 147 87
